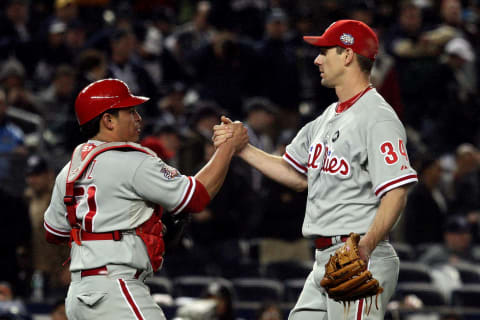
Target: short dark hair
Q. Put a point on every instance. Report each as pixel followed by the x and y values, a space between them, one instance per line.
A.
pixel 92 127
pixel 365 63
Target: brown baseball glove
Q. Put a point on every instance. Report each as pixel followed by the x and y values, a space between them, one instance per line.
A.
pixel 346 276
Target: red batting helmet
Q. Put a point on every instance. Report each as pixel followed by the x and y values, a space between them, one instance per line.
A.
pixel 103 95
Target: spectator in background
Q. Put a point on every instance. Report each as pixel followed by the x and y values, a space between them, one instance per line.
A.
pixel 426 208
pixel 91 66
pixel 456 246
pixel 15 233
pixel 197 137
pixel 56 105
pixel 165 141
pixel 191 36
pixel 278 68
pixel 11 136
pixel 17 33
pixel 123 66
pixel 13 78
pixel 226 71
pixel 47 258
pixel 269 311
pixel 11 307
pixel 54 53
pixel 75 37
pixel 172 106
pixel 223 299
pixel 282 221
pixel 66 11
pixel 157 59
pixel 261 114
pixel 466 183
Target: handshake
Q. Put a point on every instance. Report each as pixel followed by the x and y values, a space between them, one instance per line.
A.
pixel 228 132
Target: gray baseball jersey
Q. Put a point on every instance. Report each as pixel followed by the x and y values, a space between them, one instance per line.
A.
pixel 118 191
pixel 351 159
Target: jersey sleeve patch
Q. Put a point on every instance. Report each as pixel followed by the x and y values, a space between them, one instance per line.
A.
pixel 294 163
pixel 169 172
pixel 395 183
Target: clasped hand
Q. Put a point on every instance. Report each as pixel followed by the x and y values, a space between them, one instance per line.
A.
pixel 230 132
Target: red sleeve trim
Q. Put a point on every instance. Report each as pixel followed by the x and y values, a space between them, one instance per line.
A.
pixel 187 196
pixel 195 200
pixel 50 229
pixel 294 163
pixel 200 199
pixel 395 183
pixel 51 238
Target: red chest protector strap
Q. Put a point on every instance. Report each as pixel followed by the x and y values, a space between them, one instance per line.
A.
pixel 81 158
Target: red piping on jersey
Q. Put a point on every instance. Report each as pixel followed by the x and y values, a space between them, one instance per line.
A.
pixel 360 309
pixel 345 105
pixel 381 189
pixel 289 157
pixel 129 299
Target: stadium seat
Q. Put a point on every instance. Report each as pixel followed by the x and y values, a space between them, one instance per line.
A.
pixel 159 285
pixel 404 250
pixel 467 296
pixel 258 289
pixel 469 273
pixel 196 286
pixel 245 269
pixel 427 293
pixel 288 270
pixel 421 248
pixel 414 272
pixel 293 288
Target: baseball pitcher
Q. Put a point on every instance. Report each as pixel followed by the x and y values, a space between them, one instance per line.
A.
pixel 353 161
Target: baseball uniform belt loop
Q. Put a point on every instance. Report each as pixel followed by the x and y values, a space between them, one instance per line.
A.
pixel 117 235
pixel 325 242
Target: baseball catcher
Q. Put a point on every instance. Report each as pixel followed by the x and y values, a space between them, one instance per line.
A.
pixel 346 276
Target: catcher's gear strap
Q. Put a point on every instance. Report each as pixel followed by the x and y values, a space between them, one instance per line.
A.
pixel 81 158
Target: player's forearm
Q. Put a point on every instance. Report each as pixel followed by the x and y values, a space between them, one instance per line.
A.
pixel 213 174
pixel 391 205
pixel 274 167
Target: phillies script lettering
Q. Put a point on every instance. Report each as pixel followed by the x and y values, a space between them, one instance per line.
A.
pixel 329 163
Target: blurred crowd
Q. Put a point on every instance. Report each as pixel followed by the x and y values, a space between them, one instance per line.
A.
pixel 197 60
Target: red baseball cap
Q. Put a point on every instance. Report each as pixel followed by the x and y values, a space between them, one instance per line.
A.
pixel 352 34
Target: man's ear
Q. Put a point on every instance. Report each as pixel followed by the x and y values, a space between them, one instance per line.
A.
pixel 108 121
pixel 349 56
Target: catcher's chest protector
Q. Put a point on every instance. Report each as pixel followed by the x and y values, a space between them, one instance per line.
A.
pixel 151 231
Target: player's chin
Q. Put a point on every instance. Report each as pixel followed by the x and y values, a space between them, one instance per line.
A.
pixel 326 83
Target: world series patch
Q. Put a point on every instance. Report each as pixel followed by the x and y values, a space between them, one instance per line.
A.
pixel 347 39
